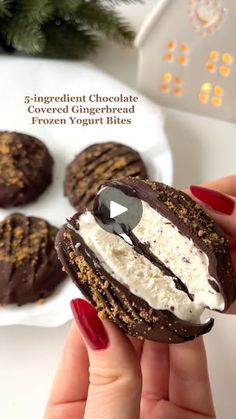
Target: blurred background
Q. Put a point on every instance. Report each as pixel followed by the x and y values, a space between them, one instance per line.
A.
pixel 202 149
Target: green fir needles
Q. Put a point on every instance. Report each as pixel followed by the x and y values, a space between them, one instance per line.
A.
pixel 61 28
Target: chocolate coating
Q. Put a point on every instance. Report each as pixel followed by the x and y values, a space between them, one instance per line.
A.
pixel 96 164
pixel 29 266
pixel 191 219
pixel 113 300
pixel 25 168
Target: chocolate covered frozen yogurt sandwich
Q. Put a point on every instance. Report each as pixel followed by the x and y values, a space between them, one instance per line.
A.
pixel 25 168
pixel 155 277
pixel 30 269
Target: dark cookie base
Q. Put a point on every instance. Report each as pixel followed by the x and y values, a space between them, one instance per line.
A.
pixel 29 266
pixel 114 301
pixel 25 168
pixel 96 164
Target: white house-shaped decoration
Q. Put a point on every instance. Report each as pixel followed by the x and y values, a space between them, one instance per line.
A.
pixel 187 56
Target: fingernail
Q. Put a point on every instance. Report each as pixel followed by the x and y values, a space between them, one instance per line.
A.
pixel 89 324
pixel 214 200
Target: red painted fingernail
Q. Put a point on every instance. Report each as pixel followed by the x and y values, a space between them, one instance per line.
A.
pixel 89 324
pixel 214 200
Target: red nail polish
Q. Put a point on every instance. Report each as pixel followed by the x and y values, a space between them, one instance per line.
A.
pixel 89 324
pixel 214 200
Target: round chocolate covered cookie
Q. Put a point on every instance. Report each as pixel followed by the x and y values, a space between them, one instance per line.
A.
pixel 96 164
pixel 30 269
pixel 154 279
pixel 25 168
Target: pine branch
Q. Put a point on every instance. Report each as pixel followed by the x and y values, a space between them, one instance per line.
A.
pixel 28 38
pixel 61 28
pixel 3 43
pixel 34 11
pixel 64 7
pixel 64 40
pixel 105 19
pixel 114 2
pixel 5 8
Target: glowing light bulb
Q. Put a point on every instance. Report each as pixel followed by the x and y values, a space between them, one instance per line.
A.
pixel 214 55
pixel 210 67
pixel 216 101
pixel 182 60
pixel 218 90
pixel 171 45
pixel 224 71
pixel 168 56
pixel 203 98
pixel 177 90
pixel 206 87
pixel 164 88
pixel 178 80
pixel 183 48
pixel 167 77
pixel 227 58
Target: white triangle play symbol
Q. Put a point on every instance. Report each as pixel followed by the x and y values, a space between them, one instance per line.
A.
pixel 116 209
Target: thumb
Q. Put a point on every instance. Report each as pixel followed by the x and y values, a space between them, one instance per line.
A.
pixel 114 372
pixel 222 207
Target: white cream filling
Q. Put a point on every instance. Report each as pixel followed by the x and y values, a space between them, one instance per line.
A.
pixel 180 254
pixel 146 280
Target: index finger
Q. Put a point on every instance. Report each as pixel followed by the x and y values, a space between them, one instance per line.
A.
pixel 226 185
pixel 189 385
pixel 70 387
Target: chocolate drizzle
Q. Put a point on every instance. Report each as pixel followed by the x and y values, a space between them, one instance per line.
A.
pixel 144 249
pixel 96 164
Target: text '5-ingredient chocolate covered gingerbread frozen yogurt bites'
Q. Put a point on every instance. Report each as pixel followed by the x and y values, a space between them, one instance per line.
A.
pixel 25 168
pixel 96 164
pixel 155 280
pixel 30 269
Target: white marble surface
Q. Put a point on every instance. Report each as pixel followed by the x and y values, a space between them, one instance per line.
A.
pixel 203 149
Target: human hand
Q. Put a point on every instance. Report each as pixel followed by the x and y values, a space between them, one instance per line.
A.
pixel 221 205
pixel 104 374
pixel 174 377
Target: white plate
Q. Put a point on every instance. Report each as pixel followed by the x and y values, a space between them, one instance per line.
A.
pixel 22 77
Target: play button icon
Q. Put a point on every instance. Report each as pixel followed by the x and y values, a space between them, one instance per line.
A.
pixel 117 211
